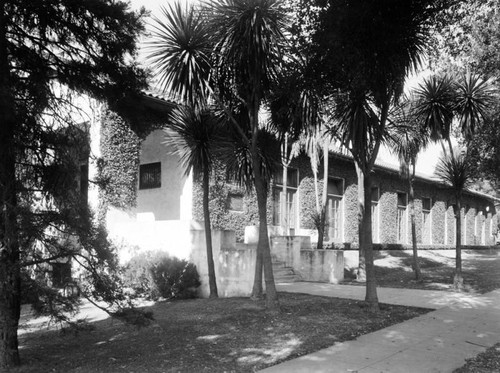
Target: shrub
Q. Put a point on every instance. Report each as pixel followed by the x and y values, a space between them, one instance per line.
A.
pixel 156 275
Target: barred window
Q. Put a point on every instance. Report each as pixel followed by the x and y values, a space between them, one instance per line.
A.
pixel 150 175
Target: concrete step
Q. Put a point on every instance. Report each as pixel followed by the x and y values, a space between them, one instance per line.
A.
pixel 278 264
pixel 283 279
pixel 282 271
pixel 285 275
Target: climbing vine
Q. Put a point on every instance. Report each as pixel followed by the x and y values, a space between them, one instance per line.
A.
pixel 119 163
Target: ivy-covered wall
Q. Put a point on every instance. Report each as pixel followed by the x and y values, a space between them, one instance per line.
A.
pixel 438 222
pixel 119 163
pixel 389 184
pixel 222 216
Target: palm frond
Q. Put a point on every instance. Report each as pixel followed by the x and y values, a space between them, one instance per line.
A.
pixel 435 104
pixel 237 158
pixel 294 106
pixel 406 136
pixel 249 34
pixel 474 96
pixel 356 121
pixel 456 170
pixel 193 134
pixel 180 52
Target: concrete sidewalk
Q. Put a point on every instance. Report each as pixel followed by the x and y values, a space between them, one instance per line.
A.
pixel 440 341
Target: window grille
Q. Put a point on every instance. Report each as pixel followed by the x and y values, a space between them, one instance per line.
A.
pixel 150 176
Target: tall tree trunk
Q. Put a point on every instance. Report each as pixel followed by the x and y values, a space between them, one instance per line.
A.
pixel 10 277
pixel 263 243
pixel 366 231
pixel 263 260
pixel 416 264
pixel 458 280
pixel 361 275
pixel 319 226
pixel 283 202
pixel 212 282
pixel 324 196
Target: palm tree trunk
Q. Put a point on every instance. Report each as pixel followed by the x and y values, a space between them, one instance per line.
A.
pixel 361 275
pixel 324 196
pixel 212 282
pixel 257 289
pixel 458 280
pixel 10 275
pixel 283 207
pixel 315 177
pixel 321 228
pixel 371 297
pixel 263 260
pixel 416 264
pixel 319 211
pixel 263 243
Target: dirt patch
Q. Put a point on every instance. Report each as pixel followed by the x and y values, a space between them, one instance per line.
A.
pixel 205 335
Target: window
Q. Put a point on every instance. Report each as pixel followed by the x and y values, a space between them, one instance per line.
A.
pixel 150 176
pixel 292 178
pixel 235 202
pixel 375 214
pixel 401 218
pixel 284 208
pixel 426 221
pixel 285 204
pixel 335 190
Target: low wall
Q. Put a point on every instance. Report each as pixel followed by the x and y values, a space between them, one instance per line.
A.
pixel 287 249
pixel 311 265
pixel 321 265
pixel 234 264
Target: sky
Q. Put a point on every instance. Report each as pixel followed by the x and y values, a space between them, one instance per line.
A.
pixel 427 160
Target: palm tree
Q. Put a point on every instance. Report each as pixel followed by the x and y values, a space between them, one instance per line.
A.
pixel 229 51
pixel 249 34
pixel 406 140
pixel 194 134
pixel 180 53
pixel 440 101
pixel 180 57
pixel 456 171
pixel 365 49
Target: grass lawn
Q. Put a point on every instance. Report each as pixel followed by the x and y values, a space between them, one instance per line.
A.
pixel 238 335
pixel 486 362
pixel 481 270
pixel 204 335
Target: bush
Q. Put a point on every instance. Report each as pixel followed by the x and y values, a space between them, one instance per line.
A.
pixel 156 275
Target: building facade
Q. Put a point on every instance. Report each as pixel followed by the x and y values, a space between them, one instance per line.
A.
pixel 169 205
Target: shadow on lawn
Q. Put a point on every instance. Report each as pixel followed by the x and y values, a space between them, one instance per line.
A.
pixel 481 270
pixel 206 335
